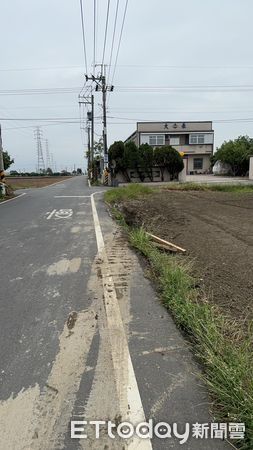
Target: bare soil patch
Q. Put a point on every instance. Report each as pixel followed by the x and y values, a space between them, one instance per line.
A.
pixel 32 182
pixel 216 228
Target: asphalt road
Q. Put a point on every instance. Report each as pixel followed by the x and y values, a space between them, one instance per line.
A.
pixel 83 335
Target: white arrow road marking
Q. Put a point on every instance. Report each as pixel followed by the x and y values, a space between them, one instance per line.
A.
pixel 126 383
pixel 61 214
pixel 64 213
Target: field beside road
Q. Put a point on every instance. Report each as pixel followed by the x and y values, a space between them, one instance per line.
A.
pixel 208 290
pixel 32 182
pixel 216 230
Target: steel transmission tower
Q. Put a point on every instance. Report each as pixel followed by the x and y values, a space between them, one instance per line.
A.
pixel 53 165
pixel 40 159
pixel 1 158
pixel 48 158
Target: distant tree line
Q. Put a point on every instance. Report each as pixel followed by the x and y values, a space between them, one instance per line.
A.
pixel 143 159
pixel 45 173
pixel 8 161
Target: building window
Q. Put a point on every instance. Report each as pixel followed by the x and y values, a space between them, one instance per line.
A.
pixel 197 139
pixel 174 140
pixel 201 139
pixel 156 139
pixel 197 163
pixel 152 139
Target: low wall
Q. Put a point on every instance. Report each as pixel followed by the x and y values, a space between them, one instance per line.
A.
pixel 251 168
pixel 157 176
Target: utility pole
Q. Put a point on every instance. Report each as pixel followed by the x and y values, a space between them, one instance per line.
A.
pixel 89 147
pixel 103 87
pixel 1 158
pixel 92 127
pixel 104 90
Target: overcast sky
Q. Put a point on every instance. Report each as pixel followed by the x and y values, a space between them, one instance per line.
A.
pixel 164 44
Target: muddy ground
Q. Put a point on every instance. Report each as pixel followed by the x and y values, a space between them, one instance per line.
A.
pixel 216 229
pixel 32 182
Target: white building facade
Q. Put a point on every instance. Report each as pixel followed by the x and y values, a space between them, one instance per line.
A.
pixel 194 139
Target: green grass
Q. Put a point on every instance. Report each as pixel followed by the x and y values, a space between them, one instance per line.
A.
pixel 131 191
pixel 226 354
pixel 135 190
pixel 237 188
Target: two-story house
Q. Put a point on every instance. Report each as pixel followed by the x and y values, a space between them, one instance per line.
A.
pixel 194 139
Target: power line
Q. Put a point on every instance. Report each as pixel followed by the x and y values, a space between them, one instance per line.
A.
pixel 41 91
pixel 134 120
pixel 120 39
pixel 97 27
pixel 94 32
pixel 214 121
pixel 24 69
pixel 75 90
pixel 44 125
pixel 113 37
pixel 174 66
pixel 38 118
pixel 135 66
pixel 185 111
pixel 83 35
pixel 190 88
pixel 106 29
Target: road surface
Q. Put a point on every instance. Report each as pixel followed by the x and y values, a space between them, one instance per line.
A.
pixel 83 335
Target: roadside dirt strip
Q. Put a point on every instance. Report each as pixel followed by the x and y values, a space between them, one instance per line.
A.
pixel 130 405
pixel 216 230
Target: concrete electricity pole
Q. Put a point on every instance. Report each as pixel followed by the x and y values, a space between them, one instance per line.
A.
pixel 1 158
pixel 92 127
pixel 103 87
pixel 104 90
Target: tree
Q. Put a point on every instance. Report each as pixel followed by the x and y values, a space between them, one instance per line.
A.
pixel 146 154
pixel 7 160
pixel 168 158
pixel 174 162
pixel 160 156
pixel 140 159
pixel 49 171
pixel 133 159
pixel 98 148
pixel 236 153
pixel 118 160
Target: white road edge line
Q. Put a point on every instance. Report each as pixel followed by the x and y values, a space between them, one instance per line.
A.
pixel 51 214
pixel 114 320
pixel 72 196
pixel 14 198
pixel 53 184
